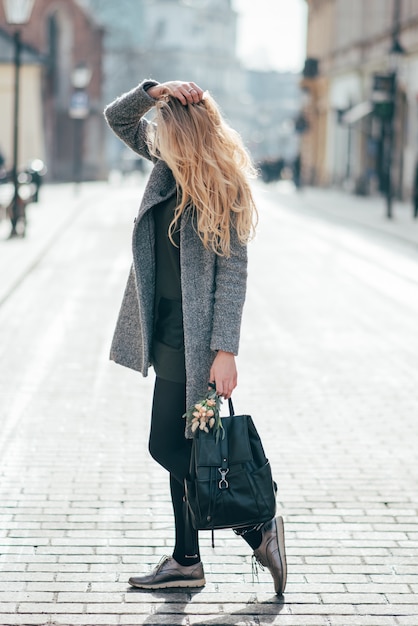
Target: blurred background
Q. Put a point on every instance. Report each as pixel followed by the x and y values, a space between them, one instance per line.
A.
pixel 78 55
pixel 322 91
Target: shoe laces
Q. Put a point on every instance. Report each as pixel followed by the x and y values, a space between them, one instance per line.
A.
pixel 255 566
pixel 160 563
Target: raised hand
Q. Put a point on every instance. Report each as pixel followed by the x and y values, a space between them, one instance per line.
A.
pixel 186 93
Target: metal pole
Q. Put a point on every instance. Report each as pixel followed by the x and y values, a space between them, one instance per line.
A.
pixel 348 164
pixel 390 147
pixel 396 49
pixel 396 18
pixel 389 169
pixel 78 152
pixel 15 202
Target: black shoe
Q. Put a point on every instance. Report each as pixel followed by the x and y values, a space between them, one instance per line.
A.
pixel 272 554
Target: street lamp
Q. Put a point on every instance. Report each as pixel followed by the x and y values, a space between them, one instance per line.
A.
pixel 17 12
pixel 79 111
pixel 395 55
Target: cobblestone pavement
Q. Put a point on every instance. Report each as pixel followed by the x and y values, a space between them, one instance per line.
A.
pixel 328 369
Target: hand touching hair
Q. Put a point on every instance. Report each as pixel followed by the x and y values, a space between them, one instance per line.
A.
pixel 186 93
pixel 211 166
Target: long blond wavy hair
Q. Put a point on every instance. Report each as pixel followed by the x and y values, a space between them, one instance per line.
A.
pixel 211 167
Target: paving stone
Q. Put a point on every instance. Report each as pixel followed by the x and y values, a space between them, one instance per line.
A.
pixel 249 620
pixel 65 550
pixel 76 558
pixel 351 598
pixel 336 578
pixel 120 608
pixel 8 585
pixel 25 596
pixel 57 586
pixel 24 577
pixel 318 588
pixel 39 607
pixel 27 620
pixel 84 576
pixel 362 620
pixel 154 620
pixel 400 598
pixel 8 607
pixel 13 567
pixel 323 609
pixel 350 569
pixel 387 609
pixel 84 620
pixel 396 586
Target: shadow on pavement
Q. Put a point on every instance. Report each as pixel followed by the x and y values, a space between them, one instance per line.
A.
pixel 174 602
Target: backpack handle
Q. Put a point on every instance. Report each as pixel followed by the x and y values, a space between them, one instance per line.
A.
pixel 230 405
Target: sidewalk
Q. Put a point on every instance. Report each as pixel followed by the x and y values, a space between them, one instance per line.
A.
pixel 58 207
pixel 366 212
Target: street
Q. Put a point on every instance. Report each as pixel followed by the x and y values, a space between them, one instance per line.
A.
pixel 328 368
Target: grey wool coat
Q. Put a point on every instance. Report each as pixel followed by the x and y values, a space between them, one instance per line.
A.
pixel 213 287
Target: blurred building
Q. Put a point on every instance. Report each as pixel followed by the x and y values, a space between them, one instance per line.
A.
pixel 63 36
pixel 172 39
pixel 275 102
pixel 123 63
pixel 360 87
pixel 31 137
pixel 193 40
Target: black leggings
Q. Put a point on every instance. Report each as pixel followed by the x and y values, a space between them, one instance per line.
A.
pixel 169 447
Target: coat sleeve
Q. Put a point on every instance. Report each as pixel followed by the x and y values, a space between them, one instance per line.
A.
pixel 125 116
pixel 230 291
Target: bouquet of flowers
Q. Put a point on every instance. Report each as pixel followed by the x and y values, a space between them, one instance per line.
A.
pixel 205 414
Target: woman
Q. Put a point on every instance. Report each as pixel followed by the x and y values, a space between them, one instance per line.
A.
pixel 182 307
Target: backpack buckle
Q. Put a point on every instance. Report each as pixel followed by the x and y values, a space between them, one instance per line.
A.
pixel 223 483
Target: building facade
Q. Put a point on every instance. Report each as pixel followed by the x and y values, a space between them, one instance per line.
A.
pixel 65 36
pixel 351 46
pixel 123 65
pixel 31 136
pixel 272 133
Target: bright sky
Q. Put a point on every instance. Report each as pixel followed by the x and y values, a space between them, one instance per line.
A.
pixel 272 33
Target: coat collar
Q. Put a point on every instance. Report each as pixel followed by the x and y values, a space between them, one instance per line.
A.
pixel 161 185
